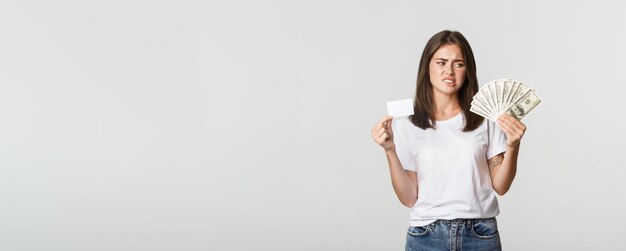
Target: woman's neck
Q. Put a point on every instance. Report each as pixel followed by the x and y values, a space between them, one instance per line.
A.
pixel 446 106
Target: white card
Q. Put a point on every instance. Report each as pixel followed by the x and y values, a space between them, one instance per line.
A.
pixel 403 107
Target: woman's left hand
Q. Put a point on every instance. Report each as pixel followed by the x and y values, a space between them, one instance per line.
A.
pixel 513 128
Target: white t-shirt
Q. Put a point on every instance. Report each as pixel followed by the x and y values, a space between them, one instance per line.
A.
pixel 451 165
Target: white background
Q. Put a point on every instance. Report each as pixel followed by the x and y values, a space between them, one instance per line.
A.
pixel 237 125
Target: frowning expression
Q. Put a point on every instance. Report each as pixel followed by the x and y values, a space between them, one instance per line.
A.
pixel 447 69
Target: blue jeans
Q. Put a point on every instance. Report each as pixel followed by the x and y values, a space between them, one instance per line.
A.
pixel 453 235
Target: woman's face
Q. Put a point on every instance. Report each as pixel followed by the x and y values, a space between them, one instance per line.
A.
pixel 517 110
pixel 447 69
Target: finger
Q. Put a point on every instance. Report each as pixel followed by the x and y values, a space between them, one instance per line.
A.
pixel 507 130
pixel 505 118
pixel 380 123
pixel 384 120
pixel 382 138
pixel 381 130
pixel 512 120
pixel 513 125
pixel 504 127
pixel 519 125
pixel 511 133
pixel 376 126
pixel 375 135
pixel 389 122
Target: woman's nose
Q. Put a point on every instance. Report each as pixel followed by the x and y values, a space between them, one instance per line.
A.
pixel 448 69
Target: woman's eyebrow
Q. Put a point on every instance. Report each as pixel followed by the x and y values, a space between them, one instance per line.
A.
pixel 454 60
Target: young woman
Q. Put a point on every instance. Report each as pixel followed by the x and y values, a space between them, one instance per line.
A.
pixel 445 161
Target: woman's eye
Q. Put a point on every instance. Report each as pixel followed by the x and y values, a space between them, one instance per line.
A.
pixel 441 63
pixel 459 65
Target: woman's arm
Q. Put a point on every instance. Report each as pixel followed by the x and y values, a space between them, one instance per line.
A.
pixel 404 182
pixel 503 167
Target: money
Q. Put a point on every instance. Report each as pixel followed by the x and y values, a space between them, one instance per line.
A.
pixel 504 96
pixel 527 103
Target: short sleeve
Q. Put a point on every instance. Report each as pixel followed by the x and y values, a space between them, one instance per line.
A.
pixel 402 127
pixel 497 140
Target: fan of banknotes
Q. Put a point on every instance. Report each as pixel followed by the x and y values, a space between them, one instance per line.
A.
pixel 504 96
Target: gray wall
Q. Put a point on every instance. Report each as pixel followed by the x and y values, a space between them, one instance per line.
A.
pixel 194 125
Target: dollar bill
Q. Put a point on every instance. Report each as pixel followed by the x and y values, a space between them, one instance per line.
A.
pixel 519 92
pixel 489 98
pixel 494 97
pixel 479 111
pixel 481 102
pixel 503 90
pixel 524 105
pixel 509 96
pixel 504 96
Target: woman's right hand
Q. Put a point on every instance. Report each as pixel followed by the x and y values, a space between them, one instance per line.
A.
pixel 382 133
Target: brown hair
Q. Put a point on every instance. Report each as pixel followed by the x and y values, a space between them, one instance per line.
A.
pixel 424 116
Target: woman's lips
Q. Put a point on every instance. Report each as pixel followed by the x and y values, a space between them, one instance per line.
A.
pixel 449 82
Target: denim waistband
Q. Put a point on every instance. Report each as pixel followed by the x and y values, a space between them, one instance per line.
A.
pixel 467 222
